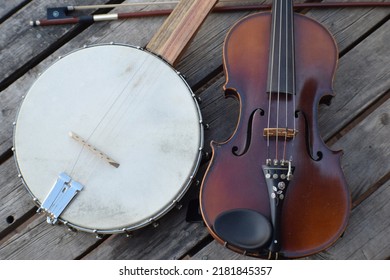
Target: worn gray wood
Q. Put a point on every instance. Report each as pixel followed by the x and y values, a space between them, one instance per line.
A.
pixel 172 239
pixel 348 25
pixel 15 202
pixel 363 76
pixel 8 7
pixel 35 239
pixel 367 151
pixel 215 251
pixel 38 240
pixel 20 43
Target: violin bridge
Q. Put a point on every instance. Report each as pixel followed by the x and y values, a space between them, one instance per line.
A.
pixel 280 132
pixel 94 149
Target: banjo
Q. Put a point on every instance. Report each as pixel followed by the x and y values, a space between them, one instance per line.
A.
pixel 117 145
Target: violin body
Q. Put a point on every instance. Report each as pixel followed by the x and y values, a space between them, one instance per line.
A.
pixel 244 204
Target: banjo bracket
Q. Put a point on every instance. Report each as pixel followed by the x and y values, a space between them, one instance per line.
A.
pixel 61 194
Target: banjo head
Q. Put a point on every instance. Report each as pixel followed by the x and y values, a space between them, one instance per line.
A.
pixel 120 123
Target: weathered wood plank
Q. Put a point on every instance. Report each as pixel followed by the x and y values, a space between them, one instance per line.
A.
pixel 215 251
pixel 363 76
pixel 20 43
pixel 39 240
pixel 179 28
pixel 348 25
pixel 22 242
pixel 365 162
pixel 7 7
pixel 170 240
pixel 14 199
pixel 366 151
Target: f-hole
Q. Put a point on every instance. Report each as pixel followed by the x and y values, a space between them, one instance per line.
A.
pixel 235 149
pixel 309 146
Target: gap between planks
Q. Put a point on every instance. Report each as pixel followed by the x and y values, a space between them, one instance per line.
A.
pixel 363 36
pixel 381 99
pixel 13 10
pixel 73 32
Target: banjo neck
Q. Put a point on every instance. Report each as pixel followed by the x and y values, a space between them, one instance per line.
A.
pixel 179 28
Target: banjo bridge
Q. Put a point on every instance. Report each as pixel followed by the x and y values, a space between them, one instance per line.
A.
pixel 59 197
pixel 94 149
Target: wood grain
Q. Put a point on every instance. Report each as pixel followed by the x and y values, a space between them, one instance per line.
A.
pixel 14 199
pixel 179 28
pixel 8 7
pixel 25 243
pixel 356 86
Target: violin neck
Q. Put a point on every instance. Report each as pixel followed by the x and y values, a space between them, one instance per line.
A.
pixel 281 77
pixel 179 28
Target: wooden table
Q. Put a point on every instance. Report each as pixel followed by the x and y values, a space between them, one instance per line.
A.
pixel 357 122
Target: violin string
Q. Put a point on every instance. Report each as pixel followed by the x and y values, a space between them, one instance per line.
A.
pixel 271 70
pixel 279 81
pixel 293 82
pixel 287 81
pixel 118 119
pixel 104 116
pixel 130 103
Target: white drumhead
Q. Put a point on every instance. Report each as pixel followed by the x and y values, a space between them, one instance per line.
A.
pixel 128 104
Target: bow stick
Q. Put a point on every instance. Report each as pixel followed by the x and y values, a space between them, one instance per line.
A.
pixel 59 15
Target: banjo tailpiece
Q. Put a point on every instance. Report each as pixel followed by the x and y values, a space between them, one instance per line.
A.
pixel 62 193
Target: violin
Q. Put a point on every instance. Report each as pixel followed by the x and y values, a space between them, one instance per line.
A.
pixel 274 189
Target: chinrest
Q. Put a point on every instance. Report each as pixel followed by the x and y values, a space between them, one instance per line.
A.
pixel 244 228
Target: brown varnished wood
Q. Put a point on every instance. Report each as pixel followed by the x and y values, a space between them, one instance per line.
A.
pixel 317 204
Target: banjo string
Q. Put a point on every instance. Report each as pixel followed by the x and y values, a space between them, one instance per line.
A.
pixel 104 116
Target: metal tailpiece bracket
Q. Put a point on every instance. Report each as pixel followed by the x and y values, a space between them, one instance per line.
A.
pixel 61 194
